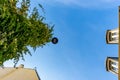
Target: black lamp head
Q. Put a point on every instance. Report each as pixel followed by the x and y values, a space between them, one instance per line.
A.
pixel 54 40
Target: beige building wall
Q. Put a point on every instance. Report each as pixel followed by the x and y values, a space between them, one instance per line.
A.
pixel 18 73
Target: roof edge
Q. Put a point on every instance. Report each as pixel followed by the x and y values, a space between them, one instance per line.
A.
pixel 37 74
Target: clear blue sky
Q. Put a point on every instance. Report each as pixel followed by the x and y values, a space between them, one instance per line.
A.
pixel 81 52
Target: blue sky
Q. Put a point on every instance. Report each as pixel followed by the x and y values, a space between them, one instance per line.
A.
pixel 81 52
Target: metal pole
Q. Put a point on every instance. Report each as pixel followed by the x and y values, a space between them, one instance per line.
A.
pixel 119 46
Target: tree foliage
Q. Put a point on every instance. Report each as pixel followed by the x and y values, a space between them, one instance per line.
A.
pixel 20 27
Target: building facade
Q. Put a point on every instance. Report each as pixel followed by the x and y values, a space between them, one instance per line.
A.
pixel 18 73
